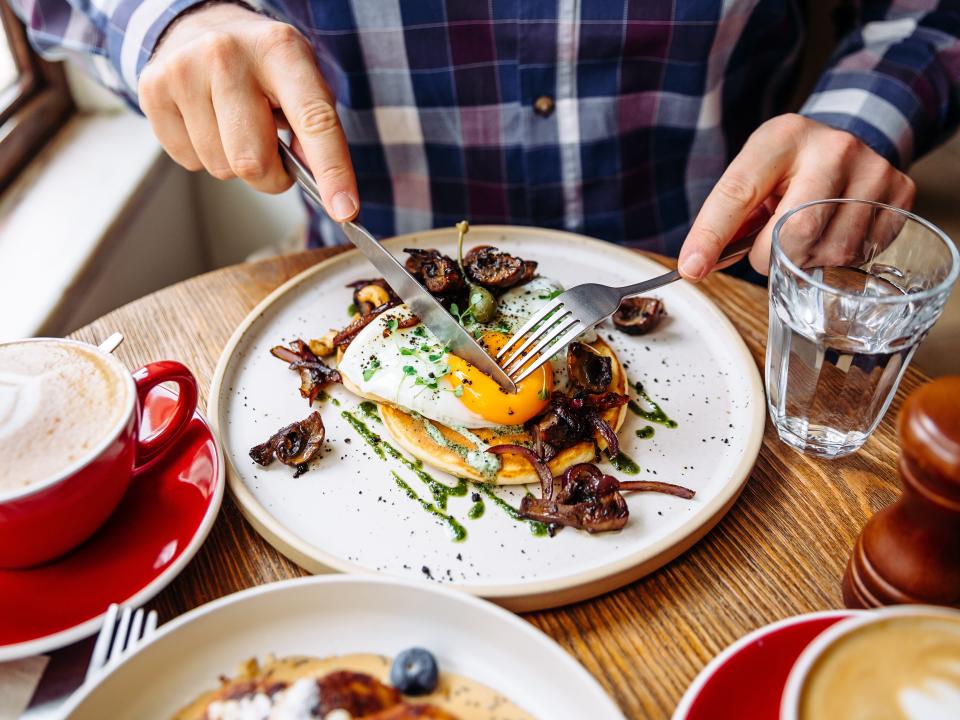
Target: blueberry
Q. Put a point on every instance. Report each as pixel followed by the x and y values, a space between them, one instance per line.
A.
pixel 414 672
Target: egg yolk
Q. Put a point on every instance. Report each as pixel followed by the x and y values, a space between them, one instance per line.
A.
pixel 482 395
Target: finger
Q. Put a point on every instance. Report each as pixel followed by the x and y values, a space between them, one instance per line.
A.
pixel 201 122
pixel 248 132
pixel 168 127
pixel 291 74
pixel 846 240
pixel 800 234
pixel 755 172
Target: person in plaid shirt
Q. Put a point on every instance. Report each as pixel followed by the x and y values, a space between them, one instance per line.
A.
pixel 621 120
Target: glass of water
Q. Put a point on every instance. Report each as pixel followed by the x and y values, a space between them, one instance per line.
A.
pixel 854 287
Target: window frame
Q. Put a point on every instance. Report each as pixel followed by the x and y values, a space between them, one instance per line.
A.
pixel 34 107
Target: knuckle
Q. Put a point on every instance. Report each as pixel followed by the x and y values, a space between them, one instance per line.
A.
pixel 844 144
pixel 178 69
pixel 331 175
pixel 789 123
pixel 707 236
pixel 250 166
pixel 221 173
pixel 318 117
pixel 219 49
pixel 281 38
pixel 805 226
pixel 738 189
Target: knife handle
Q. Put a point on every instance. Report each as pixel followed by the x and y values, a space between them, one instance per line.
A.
pixel 300 173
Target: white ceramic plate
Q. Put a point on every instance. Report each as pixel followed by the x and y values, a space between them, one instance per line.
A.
pixel 325 616
pixel 348 514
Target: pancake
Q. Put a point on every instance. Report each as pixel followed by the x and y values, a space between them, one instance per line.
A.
pixel 456 695
pixel 409 433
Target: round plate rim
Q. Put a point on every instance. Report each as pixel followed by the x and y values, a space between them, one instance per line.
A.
pixel 449 594
pixel 62 638
pixel 710 669
pixel 529 596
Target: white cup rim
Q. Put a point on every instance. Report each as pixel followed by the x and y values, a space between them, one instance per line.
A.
pixel 790 700
pixel 97 450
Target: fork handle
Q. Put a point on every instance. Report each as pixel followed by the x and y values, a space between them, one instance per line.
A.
pixel 734 251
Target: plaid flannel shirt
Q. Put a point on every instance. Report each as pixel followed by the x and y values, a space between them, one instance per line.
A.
pixel 642 103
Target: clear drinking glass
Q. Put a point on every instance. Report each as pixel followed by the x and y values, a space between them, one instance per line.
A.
pixel 854 287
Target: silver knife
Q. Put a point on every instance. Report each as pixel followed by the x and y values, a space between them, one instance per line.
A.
pixel 421 303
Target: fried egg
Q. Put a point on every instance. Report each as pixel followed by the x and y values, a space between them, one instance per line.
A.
pixel 411 369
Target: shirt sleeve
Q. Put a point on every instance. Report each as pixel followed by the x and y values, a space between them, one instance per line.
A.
pixel 111 39
pixel 894 82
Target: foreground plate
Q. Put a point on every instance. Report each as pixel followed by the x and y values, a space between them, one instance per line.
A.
pixel 341 615
pixel 151 536
pixel 348 513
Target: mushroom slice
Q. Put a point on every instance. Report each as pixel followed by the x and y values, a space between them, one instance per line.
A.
pixel 294 445
pixel 589 369
pixel 438 273
pixel 639 315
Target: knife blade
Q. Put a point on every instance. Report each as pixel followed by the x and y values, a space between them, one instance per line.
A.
pixel 421 303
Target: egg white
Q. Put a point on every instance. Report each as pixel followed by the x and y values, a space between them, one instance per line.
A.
pixel 407 367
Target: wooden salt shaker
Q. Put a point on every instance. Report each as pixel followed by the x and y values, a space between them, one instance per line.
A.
pixel 909 552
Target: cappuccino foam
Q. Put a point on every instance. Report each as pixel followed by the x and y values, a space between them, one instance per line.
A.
pixel 58 402
pixel 900 668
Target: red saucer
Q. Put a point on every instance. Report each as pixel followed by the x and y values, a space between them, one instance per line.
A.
pixel 157 528
pixel 747 679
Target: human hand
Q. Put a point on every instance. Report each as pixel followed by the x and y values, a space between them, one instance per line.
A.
pixel 787 161
pixel 210 92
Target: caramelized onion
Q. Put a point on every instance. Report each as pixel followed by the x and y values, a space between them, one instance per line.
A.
pixel 343 338
pixel 658 487
pixel 543 472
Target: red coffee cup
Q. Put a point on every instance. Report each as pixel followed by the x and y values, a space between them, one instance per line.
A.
pixel 45 519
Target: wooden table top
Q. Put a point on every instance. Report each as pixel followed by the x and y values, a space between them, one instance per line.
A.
pixel 780 551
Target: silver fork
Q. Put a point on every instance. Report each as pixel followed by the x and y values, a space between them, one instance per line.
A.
pixel 119 637
pixel 575 311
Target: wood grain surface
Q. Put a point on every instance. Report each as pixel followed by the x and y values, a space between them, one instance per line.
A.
pixel 780 551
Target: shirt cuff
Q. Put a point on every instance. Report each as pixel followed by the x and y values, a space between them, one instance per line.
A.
pixel 879 110
pixel 134 29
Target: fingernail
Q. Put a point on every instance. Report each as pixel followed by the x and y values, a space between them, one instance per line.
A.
pixel 343 206
pixel 694 266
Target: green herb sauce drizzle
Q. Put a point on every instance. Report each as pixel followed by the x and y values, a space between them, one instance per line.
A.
pixel 645 433
pixel 656 415
pixel 536 527
pixel 440 491
pixel 369 409
pixel 383 448
pixel 623 462
pixel 459 531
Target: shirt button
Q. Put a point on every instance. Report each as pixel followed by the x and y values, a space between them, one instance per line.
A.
pixel 543 106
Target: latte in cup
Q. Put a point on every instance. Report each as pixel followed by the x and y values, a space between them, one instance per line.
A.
pixel 59 402
pixel 905 667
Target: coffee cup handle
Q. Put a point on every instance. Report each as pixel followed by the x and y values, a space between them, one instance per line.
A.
pixel 147 378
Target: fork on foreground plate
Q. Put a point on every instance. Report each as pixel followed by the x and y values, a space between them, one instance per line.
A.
pixel 120 636
pixel 574 312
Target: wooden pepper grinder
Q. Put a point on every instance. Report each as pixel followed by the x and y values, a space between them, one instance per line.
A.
pixel 909 552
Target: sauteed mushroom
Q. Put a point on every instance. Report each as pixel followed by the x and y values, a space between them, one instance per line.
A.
pixel 370 294
pixel 493 268
pixel 639 315
pixel 568 421
pixel 438 273
pixel 589 369
pixel 591 500
pixel 314 373
pixel 294 445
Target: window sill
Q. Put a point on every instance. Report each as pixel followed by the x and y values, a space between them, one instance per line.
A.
pixel 60 215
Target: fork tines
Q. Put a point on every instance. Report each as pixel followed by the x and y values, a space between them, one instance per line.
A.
pixel 552 321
